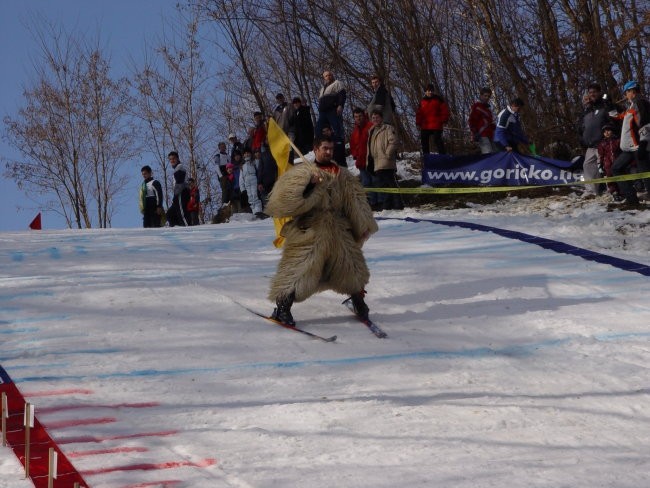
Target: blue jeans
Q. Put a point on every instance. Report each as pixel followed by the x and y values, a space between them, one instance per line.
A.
pixel 366 181
pixel 385 178
pixel 335 121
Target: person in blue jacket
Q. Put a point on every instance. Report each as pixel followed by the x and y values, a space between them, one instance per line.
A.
pixel 509 133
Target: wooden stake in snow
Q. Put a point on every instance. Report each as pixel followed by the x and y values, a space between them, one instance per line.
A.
pixel 52 467
pixel 29 423
pixel 4 415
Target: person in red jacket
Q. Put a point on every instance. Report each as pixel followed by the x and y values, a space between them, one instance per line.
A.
pixel 481 122
pixel 259 132
pixel 194 203
pixel 432 115
pixel 608 150
pixel 359 143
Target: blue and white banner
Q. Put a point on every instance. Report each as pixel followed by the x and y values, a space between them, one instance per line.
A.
pixel 500 169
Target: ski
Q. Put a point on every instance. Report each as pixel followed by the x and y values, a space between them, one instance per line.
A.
pixel 374 328
pixel 292 327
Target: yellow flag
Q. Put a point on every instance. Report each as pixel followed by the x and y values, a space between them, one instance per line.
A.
pixel 280 146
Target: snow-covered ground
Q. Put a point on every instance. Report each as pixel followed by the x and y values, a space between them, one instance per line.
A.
pixel 507 364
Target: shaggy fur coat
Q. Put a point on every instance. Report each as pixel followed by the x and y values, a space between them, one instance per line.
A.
pixel 322 248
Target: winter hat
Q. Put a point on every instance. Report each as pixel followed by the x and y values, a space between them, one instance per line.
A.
pixel 608 127
pixel 230 166
pixel 630 85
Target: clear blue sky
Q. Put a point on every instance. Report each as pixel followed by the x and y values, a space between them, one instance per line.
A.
pixel 124 26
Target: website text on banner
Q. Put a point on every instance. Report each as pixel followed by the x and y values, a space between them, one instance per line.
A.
pixel 500 169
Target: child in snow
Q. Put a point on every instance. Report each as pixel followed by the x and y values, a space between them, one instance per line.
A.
pixel 608 150
pixel 231 192
pixel 248 183
pixel 194 204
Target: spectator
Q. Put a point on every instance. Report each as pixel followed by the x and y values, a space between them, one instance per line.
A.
pixel 381 99
pixel 176 214
pixel 594 117
pixel 509 134
pixel 481 122
pixel 303 126
pixel 359 149
pixel 194 203
pixel 235 145
pixel 221 159
pixel 283 115
pixel 331 101
pixel 430 118
pixel 381 161
pixel 248 142
pixel 267 174
pixel 635 135
pixel 248 183
pixel 151 202
pixel 339 147
pixel 608 151
pixel 259 132
pixel 323 242
pixel 231 192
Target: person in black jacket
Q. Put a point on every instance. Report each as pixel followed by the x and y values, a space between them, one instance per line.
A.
pixel 267 173
pixel 152 199
pixel 381 99
pixel 176 214
pixel 594 118
pixel 331 101
pixel 303 126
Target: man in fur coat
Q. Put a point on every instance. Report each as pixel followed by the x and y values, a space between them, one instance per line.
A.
pixel 331 220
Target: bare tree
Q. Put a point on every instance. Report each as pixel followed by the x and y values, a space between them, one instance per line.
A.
pixel 176 104
pixel 544 51
pixel 71 132
pixel 111 133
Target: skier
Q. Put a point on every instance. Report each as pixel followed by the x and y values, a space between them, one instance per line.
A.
pixel 331 221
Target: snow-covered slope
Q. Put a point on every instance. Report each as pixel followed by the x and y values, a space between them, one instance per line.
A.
pixel 507 364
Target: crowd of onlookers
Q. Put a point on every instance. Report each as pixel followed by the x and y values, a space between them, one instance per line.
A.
pixel 615 141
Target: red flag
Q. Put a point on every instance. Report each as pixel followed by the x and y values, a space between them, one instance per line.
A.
pixel 36 223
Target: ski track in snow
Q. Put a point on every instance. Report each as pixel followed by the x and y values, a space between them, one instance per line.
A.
pixel 507 364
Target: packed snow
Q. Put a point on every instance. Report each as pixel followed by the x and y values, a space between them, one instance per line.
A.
pixel 507 364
